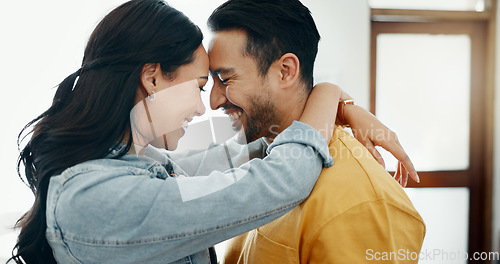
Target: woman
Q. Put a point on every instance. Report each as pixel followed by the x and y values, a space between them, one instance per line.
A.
pixel 101 198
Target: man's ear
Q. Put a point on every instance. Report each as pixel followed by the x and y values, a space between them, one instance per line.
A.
pixel 289 69
pixel 149 77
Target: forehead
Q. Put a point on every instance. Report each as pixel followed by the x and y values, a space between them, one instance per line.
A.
pixel 200 64
pixel 226 51
pixel 197 68
pixel 201 57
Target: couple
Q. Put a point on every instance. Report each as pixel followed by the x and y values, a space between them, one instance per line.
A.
pixel 104 195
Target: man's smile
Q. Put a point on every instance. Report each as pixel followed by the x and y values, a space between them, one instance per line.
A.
pixel 234 112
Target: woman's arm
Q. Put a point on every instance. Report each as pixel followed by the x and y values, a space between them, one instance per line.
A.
pixel 176 217
pixel 221 157
pixel 371 132
pixel 320 112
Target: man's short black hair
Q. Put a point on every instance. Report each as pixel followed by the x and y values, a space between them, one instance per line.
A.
pixel 273 28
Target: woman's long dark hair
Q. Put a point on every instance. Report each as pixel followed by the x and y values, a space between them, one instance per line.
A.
pixel 87 119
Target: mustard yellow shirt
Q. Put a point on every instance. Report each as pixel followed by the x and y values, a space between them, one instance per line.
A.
pixel 356 213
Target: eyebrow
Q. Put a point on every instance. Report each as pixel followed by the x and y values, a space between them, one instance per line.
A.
pixel 203 77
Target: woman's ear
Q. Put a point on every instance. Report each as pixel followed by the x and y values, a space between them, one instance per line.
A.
pixel 149 77
pixel 289 69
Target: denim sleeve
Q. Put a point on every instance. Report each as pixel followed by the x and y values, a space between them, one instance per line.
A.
pixel 146 219
pixel 302 133
pixel 219 157
pixel 232 154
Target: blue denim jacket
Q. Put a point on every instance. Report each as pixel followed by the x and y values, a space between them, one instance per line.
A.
pixel 140 209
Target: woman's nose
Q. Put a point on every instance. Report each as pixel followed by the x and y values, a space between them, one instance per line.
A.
pixel 200 109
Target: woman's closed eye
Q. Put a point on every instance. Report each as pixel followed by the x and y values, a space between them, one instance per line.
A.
pixel 202 82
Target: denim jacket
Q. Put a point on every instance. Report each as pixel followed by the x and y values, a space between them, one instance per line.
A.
pixel 141 209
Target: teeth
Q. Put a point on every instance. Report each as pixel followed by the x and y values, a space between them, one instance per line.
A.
pixel 235 116
pixel 185 123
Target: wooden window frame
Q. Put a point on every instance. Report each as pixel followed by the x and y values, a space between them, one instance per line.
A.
pixel 482 119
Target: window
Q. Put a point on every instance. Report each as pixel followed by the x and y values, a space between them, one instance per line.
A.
pixel 457 5
pixel 432 82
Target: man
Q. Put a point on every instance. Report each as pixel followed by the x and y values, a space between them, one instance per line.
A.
pixel 262 58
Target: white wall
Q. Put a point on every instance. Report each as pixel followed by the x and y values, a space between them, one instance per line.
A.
pixel 42 42
pixel 344 49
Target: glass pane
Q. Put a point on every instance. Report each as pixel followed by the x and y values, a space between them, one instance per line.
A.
pixel 446 215
pixel 455 5
pixel 423 94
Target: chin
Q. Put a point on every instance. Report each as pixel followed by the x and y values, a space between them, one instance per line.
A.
pixel 161 145
pixel 171 148
pixel 168 142
pixel 244 137
pixel 241 137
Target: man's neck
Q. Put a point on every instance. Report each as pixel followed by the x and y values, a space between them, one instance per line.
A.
pixel 289 108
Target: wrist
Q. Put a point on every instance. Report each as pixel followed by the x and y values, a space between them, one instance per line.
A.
pixel 343 109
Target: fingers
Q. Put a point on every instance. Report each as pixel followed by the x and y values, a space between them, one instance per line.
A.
pixel 390 143
pixel 404 175
pixel 408 168
pixel 397 175
pixel 401 175
pixel 413 174
pixel 395 148
pixel 371 148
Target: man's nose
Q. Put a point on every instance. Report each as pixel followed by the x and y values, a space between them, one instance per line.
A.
pixel 217 96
